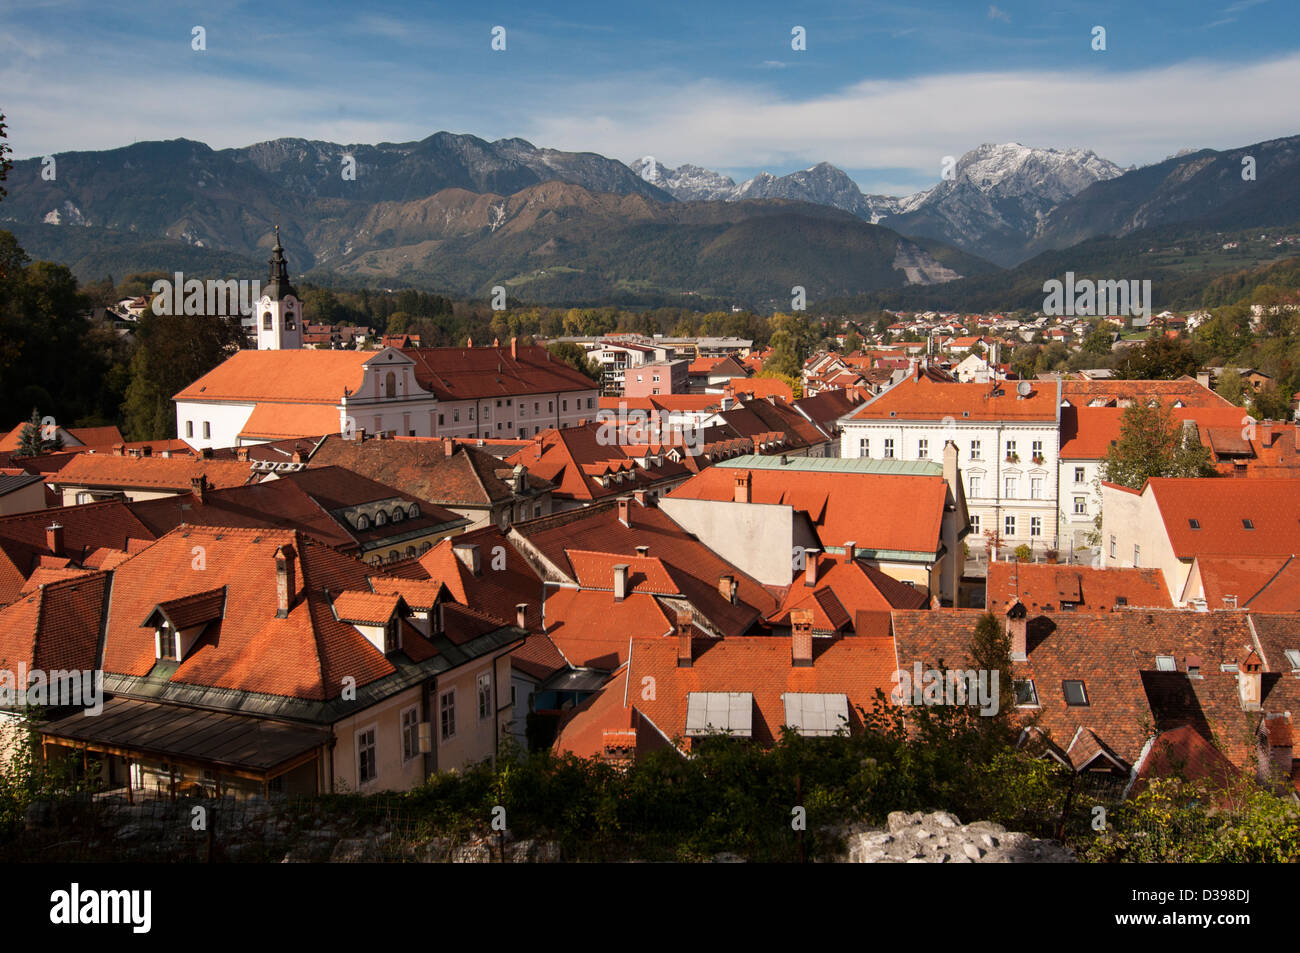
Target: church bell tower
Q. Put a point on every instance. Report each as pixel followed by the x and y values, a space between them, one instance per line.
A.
pixel 279 311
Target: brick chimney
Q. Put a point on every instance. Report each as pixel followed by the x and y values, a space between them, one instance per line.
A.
pixel 810 566
pixel 54 538
pixel 727 588
pixel 205 453
pixel 1017 628
pixel 297 456
pixel 521 615
pixel 1250 681
pixel 468 554
pixel 685 648
pixel 801 621
pixel 448 446
pixel 241 454
pixel 625 510
pixel 119 449
pixel 620 582
pixel 645 497
pixel 744 487
pixel 1265 431
pixel 514 349
pixel 850 550
pixel 199 486
pixel 643 551
pixel 286 584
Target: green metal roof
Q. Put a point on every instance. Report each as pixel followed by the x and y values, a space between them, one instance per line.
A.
pixel 893 467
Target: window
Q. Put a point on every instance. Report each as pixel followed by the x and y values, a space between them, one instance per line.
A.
pixel 1112 547
pixel 1075 693
pixel 537 407
pixel 550 406
pixel 591 402
pixel 1035 488
pixel 189 428
pixel 1009 526
pixel 1137 555
pixel 975 525
pixel 485 696
pixel 207 430
pixel 864 447
pixel 266 321
pixel 1038 448
pixel 1035 526
pixel 1010 488
pixel 1011 448
pixel 1078 474
pixel 974 449
pixel 1293 657
pixel 410 733
pixel 889 448
pixel 447 713
pixel 923 448
pixel 564 405
pixel 441 419
pixel 390 384
pixel 1026 695
pixel 1247 524
pixel 1166 663
pixel 537 510
pixel 1081 507
pixel 1194 523
pixel 167 642
pixel 455 415
pixel 367 762
pixel 974 486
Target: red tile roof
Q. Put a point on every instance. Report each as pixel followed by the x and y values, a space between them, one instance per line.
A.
pixel 1118 392
pixel 923 399
pixel 1044 586
pixel 289 377
pixel 843 590
pixel 54 627
pixel 906 512
pixel 477 373
pixel 109 471
pixel 1260 583
pixel 1221 507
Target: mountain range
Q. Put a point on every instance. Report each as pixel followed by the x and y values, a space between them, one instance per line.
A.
pixel 461 214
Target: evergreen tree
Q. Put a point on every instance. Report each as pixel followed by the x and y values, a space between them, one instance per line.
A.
pixel 31 440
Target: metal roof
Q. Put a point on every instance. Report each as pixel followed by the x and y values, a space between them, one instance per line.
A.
pixel 16 481
pixel 893 467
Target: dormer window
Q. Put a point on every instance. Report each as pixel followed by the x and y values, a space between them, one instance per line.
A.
pixel 381 518
pixel 363 521
pixel 398 514
pixel 413 511
pixel 166 647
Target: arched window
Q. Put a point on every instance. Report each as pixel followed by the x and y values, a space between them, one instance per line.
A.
pixel 381 518
pixel 410 551
pixel 390 384
pixel 266 321
pixel 398 514
pixel 413 511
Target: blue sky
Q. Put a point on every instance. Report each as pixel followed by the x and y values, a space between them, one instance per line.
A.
pixel 883 90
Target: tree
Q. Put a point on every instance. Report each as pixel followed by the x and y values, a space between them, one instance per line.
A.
pixel 1231 387
pixel 576 357
pixel 852 342
pixel 1154 443
pixel 990 650
pixel 1098 341
pixel 5 152
pixel 32 442
pixel 1159 358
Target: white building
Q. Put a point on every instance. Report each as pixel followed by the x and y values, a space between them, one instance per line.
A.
pixel 1008 436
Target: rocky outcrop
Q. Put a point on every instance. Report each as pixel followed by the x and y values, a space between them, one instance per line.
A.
pixel 940 838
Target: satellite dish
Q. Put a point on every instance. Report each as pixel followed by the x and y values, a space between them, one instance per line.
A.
pixel 1023 388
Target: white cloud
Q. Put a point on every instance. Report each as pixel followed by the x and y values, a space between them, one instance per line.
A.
pixel 997 13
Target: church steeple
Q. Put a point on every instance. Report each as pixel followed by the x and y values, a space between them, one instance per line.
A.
pixel 279 321
pixel 278 287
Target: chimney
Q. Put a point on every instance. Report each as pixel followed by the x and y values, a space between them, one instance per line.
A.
pixel 241 454
pixel 286 586
pixel 810 566
pixel 1250 679
pixel 119 449
pixel 643 551
pixel 1265 431
pixel 448 446
pixel 1017 627
pixel 297 456
pixel 54 538
pixel 1193 666
pixel 620 582
pixel 850 550
pixel 468 554
pixel 625 511
pixel 205 453
pixel 521 615
pixel 801 621
pixel 199 486
pixel 685 649
pixel 744 486
pixel 514 349
pixel 727 588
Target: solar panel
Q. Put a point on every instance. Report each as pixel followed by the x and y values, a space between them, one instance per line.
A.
pixel 816 715
pixel 728 712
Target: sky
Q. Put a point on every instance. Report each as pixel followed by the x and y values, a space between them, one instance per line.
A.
pixel 882 90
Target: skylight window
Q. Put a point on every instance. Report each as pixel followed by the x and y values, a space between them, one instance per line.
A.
pixel 1293 656
pixel 1248 524
pixel 1166 663
pixel 1075 693
pixel 1026 694
pixel 1194 524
